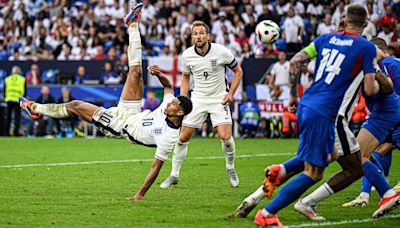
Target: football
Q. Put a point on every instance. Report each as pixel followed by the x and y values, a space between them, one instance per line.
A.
pixel 268 31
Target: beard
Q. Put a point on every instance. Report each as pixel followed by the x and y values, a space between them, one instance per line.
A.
pixel 200 44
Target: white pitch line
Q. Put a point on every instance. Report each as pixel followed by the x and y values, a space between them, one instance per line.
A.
pixel 140 160
pixel 345 222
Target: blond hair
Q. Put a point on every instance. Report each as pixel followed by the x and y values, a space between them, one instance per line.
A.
pixel 200 23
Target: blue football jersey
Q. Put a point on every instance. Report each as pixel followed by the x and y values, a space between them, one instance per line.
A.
pixel 391 67
pixel 340 58
pixel 386 103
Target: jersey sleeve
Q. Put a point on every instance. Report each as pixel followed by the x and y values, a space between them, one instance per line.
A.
pixel 185 67
pixel 228 59
pixel 369 58
pixel 165 144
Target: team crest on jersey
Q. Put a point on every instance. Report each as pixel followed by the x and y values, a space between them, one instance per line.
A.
pixel 214 63
pixel 157 131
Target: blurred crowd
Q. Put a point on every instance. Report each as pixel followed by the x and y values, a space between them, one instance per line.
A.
pixel 94 29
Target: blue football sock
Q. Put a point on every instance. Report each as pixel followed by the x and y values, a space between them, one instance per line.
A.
pixel 294 165
pixel 378 160
pixel 373 175
pixel 365 185
pixel 292 191
pixel 386 162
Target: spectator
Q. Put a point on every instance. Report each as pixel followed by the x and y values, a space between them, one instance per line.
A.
pixel 44 122
pixel 267 14
pixel 123 68
pixel 151 101
pixel 100 55
pixel 315 8
pixel 250 27
pixel 222 21
pixel 306 78
pixel 395 41
pixel 326 26
pixel 293 28
pixel 280 71
pixel 263 130
pixel 16 56
pixel 386 33
pixel 112 54
pixel 338 14
pixel 389 19
pixel 65 54
pixel 148 11
pixel 81 76
pixel 203 15
pixel 242 39
pixel 238 24
pixel 33 76
pixel 369 31
pixel 14 88
pixel 109 76
pixel 249 12
pixel 65 127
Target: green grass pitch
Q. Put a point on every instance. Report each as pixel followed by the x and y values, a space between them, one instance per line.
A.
pixel 71 193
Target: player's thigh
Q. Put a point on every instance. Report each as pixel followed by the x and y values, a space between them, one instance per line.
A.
pixel 82 109
pixel 221 118
pixel 368 142
pixel 110 121
pixel 317 137
pixel 384 148
pixel 197 116
pixel 186 133
pixel 133 87
pixel 345 141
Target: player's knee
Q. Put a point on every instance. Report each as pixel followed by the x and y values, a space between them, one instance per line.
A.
pixel 184 138
pixel 135 71
pixel 225 136
pixel 72 106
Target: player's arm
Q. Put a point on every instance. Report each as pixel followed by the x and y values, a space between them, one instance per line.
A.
pixel 151 177
pixel 304 55
pixel 185 83
pixel 237 78
pixel 385 84
pixel 156 71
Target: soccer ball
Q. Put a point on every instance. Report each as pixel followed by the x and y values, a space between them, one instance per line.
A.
pixel 268 31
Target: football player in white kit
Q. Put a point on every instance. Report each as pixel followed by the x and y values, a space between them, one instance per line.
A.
pixel 206 62
pixel 159 128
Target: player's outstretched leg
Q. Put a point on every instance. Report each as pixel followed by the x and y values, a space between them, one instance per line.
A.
pixel 131 96
pixel 179 156
pixel 81 109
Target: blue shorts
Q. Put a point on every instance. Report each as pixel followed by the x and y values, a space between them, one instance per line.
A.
pixel 395 138
pixel 317 137
pixel 380 124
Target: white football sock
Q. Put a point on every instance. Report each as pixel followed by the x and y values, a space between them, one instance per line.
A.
pixel 58 111
pixel 266 213
pixel 324 191
pixel 229 148
pixel 256 196
pixel 179 156
pixel 135 45
pixel 364 195
pixel 389 193
pixel 283 170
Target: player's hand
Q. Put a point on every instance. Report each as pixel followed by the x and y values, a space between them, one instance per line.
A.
pixel 292 104
pixel 154 70
pixel 228 99
pixel 136 197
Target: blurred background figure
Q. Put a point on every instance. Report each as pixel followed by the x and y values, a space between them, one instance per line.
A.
pixel 80 75
pixel 33 76
pixel 65 127
pixel 109 76
pixel 249 119
pixel 151 101
pixel 44 125
pixel 15 87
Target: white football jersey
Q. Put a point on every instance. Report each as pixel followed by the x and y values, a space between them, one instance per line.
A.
pixel 208 71
pixel 157 130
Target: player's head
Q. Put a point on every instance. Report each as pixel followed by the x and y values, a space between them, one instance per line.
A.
pixel 179 107
pixel 382 50
pixel 200 34
pixel 356 16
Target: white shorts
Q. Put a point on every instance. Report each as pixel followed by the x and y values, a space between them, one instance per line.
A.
pixel 219 114
pixel 345 141
pixel 112 122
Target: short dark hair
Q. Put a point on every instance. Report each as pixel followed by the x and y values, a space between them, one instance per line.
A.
pixel 381 43
pixel 356 15
pixel 185 104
